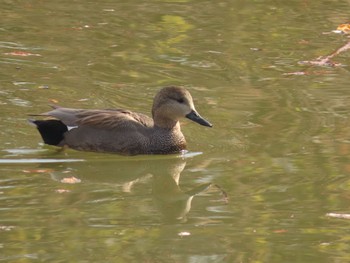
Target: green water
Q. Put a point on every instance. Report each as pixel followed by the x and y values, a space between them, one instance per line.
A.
pixel 256 187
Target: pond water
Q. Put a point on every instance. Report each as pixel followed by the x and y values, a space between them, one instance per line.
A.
pixel 257 187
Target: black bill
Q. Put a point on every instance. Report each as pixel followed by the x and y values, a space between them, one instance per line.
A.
pixel 194 116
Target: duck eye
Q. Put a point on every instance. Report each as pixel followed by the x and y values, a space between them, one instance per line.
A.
pixel 181 100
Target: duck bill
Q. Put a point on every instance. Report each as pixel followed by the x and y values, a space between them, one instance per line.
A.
pixel 194 116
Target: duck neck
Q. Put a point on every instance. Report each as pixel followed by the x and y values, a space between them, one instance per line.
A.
pixel 167 124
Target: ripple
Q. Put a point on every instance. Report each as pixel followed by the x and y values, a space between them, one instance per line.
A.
pixel 187 154
pixel 23 151
pixel 19 161
pixel 19 102
pixel 201 64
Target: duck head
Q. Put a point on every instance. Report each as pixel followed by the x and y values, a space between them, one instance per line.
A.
pixel 173 103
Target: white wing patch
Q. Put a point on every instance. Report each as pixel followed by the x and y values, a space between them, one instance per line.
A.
pixel 71 127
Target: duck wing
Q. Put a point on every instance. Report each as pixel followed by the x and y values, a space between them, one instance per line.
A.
pixel 113 119
pixel 102 119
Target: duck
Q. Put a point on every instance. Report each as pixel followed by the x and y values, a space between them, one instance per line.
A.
pixel 122 131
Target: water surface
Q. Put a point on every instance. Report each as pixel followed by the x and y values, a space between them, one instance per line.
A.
pixel 279 148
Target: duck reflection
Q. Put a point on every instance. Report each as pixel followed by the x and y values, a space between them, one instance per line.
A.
pixel 162 174
pixel 173 203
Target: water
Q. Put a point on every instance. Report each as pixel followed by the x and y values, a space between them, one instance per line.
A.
pixel 257 187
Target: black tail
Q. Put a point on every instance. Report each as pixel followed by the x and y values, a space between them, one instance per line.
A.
pixel 51 130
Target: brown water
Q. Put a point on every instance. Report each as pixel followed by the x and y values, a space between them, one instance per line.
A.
pixel 279 147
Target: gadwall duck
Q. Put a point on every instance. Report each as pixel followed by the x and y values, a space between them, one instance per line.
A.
pixel 122 131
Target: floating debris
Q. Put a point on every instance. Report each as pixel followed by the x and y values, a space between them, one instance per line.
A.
pixel 280 231
pixel 40 171
pixel 184 234
pixel 297 73
pixel 6 228
pixel 53 101
pixel 70 180
pixel 22 54
pixel 342 29
pixel 43 87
